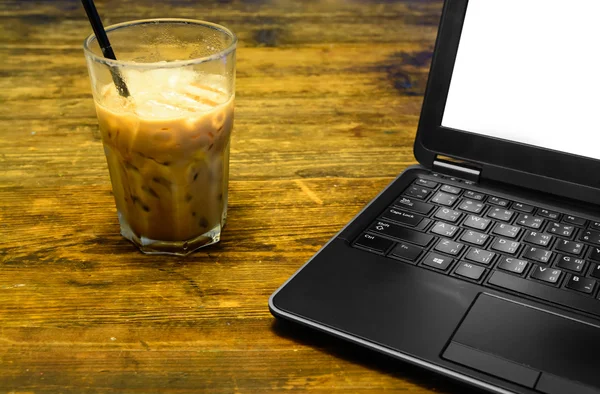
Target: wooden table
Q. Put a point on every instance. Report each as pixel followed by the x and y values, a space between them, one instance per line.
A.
pixel 328 98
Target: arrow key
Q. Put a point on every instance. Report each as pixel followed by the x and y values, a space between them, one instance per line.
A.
pixel 545 274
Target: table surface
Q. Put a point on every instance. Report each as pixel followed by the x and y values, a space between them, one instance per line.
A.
pixel 328 99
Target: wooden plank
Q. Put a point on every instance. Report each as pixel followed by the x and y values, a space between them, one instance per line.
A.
pixel 327 103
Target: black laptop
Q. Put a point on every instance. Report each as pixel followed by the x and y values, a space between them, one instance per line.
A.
pixel 483 262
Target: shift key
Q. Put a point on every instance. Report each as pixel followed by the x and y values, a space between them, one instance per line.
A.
pixel 401 233
pixel 413 205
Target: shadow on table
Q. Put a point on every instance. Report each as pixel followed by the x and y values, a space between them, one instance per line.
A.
pixel 370 359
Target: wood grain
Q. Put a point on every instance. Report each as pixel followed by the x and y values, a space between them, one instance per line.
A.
pixel 328 97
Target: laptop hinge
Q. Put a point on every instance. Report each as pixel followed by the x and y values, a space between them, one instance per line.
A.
pixel 455 168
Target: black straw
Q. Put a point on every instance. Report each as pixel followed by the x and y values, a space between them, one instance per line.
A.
pixel 107 51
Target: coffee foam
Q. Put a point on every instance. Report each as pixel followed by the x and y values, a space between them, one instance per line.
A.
pixel 166 93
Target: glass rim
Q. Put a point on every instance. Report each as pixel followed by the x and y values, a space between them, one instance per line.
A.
pixel 163 64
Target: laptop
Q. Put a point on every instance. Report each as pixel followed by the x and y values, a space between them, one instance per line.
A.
pixel 482 263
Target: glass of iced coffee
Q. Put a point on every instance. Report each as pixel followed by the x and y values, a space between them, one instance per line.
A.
pixel 166 135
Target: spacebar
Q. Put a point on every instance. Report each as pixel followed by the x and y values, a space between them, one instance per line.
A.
pixel 537 290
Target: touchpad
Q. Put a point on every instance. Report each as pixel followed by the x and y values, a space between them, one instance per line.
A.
pixel 528 346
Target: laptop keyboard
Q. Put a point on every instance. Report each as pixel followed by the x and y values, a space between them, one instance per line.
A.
pixel 491 240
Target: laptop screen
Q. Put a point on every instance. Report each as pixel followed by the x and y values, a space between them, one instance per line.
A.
pixel 529 72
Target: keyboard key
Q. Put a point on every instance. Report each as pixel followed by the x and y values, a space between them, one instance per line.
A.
pixel 537 254
pixel 574 220
pixel 497 201
pixel 505 245
pixel 449 247
pixel 374 243
pixel 531 221
pixel 545 274
pixel 595 225
pixel 471 206
pixel 506 230
pixel 406 251
pixel 476 222
pixel 447 214
pixel 444 229
pixel 501 214
pixel 476 196
pixel 590 236
pixel 474 237
pixel 567 246
pixel 513 265
pixel 451 189
pixel 417 192
pixel 426 183
pixel 538 238
pixel 548 214
pixel 470 271
pixel 480 256
pixel 560 229
pixel 596 272
pixel 401 233
pixel 519 206
pixel 444 199
pixel 414 205
pixel 407 218
pixel 541 291
pixel 578 283
pixel 595 254
pixel 437 261
pixel 571 263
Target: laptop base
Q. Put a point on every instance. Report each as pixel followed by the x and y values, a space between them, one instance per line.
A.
pixel 413 312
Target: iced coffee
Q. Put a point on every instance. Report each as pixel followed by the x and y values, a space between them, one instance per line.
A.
pixel 167 148
pixel 166 136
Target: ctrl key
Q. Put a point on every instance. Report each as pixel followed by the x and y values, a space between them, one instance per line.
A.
pixel 373 243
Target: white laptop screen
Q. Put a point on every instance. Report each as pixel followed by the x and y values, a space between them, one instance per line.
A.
pixel 529 71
